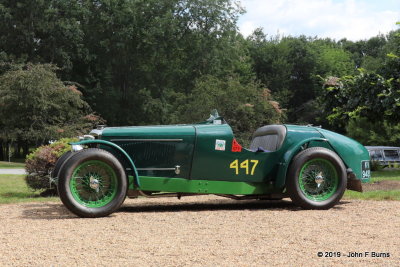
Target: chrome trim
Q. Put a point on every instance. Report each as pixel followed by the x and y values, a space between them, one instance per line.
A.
pixel 88 137
pixel 96 132
pixel 155 169
pixel 147 140
pixel 177 169
pixel 75 148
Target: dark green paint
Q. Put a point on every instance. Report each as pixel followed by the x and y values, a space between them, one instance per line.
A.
pixel 114 148
pixel 212 164
pixel 156 147
pixel 349 150
pixel 193 148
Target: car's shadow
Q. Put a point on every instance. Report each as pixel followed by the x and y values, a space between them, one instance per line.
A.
pixel 218 205
pixel 212 205
pixel 46 211
pixel 57 211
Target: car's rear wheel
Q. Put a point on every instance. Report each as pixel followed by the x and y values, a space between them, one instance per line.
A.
pixel 92 183
pixel 316 179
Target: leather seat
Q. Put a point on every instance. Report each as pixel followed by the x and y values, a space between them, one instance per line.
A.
pixel 268 138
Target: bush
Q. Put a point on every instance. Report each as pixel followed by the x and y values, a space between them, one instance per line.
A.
pixel 40 163
pixel 376 166
pixel 373 133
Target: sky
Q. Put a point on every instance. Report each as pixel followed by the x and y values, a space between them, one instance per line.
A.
pixel 337 19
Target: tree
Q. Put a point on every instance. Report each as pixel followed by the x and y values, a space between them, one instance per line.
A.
pixel 126 51
pixel 141 50
pixel 291 67
pixel 35 106
pixel 246 106
pixel 371 94
pixel 374 132
pixel 43 31
pixel 364 95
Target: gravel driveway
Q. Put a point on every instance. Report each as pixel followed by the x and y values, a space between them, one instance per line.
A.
pixel 201 231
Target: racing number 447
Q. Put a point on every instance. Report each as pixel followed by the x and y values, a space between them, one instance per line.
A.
pixel 249 166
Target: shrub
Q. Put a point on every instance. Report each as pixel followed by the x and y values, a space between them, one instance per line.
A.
pixel 376 166
pixel 40 163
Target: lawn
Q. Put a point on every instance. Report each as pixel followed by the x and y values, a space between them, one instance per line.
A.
pixel 11 165
pixel 377 176
pixel 388 174
pixel 373 195
pixel 13 189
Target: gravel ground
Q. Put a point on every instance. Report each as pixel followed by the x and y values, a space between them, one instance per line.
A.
pixel 201 231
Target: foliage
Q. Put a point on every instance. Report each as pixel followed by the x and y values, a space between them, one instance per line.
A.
pixel 40 163
pixel 374 132
pixel 367 104
pixel 246 106
pixel 13 189
pixel 375 165
pixel 366 95
pixel 35 106
pixel 290 68
pixel 137 61
pixel 42 31
pixel 123 52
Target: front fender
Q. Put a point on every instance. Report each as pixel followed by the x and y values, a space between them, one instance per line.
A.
pixel 116 147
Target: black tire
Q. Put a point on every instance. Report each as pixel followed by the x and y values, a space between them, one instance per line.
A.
pixel 59 164
pixel 316 178
pixel 92 183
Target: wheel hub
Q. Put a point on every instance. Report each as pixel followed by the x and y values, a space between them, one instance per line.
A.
pixel 94 183
pixel 319 179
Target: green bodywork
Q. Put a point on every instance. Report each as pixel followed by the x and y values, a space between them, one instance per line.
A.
pixel 199 158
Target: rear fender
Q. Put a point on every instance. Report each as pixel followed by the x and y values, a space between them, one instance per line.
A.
pixel 288 156
pixel 132 166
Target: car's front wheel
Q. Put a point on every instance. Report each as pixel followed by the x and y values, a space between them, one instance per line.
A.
pixel 316 178
pixel 59 164
pixel 92 183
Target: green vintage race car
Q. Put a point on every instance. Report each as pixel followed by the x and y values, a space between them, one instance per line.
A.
pixel 310 165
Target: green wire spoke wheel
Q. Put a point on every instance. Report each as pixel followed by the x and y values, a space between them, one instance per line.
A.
pixel 92 183
pixel 316 179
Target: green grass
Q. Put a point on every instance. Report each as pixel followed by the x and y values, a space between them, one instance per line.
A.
pixel 393 175
pixel 11 165
pixel 373 195
pixel 13 189
pixel 385 175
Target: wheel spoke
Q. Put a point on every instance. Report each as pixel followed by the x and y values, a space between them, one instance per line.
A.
pixel 318 179
pixel 93 183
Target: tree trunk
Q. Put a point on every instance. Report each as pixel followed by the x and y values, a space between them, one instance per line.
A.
pixel 25 148
pixel 16 150
pixel 1 150
pixel 7 150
